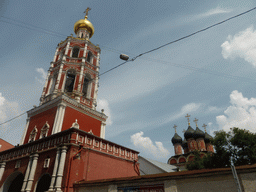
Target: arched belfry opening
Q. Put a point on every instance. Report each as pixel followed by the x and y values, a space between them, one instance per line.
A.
pixel 13 183
pixel 70 81
pixel 86 85
pixel 89 57
pixel 43 183
pixel 75 52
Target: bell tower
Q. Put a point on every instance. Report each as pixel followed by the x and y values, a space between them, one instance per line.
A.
pixel 70 91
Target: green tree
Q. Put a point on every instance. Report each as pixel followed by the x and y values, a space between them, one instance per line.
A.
pixel 237 144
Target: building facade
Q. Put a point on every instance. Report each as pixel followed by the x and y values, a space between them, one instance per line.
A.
pixel 63 141
pixel 194 140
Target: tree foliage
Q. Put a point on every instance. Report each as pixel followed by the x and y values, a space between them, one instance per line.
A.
pixel 238 145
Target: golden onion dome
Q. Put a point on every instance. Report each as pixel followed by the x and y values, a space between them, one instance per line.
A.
pixel 84 24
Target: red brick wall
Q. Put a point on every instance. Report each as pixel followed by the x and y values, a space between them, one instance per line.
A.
pixel 86 123
pixel 39 121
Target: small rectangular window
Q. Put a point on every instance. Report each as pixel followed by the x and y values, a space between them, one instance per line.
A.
pixel 17 165
pixel 46 163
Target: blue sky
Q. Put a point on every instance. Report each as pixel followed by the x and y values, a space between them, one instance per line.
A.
pixel 211 75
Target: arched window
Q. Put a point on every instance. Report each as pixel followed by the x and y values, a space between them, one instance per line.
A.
pixel 89 57
pixel 70 80
pixel 86 85
pixel 82 36
pixel 32 136
pixel 75 52
pixel 44 130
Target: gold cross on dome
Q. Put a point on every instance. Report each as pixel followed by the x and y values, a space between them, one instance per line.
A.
pixel 188 118
pixel 204 126
pixel 196 121
pixel 175 126
pixel 86 11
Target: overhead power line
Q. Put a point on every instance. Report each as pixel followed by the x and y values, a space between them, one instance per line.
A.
pixel 13 118
pixel 177 40
pixel 144 53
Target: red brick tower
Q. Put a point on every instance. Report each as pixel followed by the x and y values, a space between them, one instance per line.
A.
pixel 70 91
pixel 63 142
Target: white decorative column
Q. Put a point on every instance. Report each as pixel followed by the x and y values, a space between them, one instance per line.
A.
pixel 27 174
pixel 61 169
pixel 58 79
pixel 55 55
pixel 25 131
pixel 80 78
pixel 96 82
pixel 58 121
pixel 55 169
pixel 32 172
pixel 66 51
pixel 102 129
pixel 2 168
pixel 85 50
pixel 45 85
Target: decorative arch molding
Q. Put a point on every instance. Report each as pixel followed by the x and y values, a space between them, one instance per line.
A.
pixel 182 159
pixel 32 136
pixel 44 130
pixel 43 183
pixel 13 180
pixel 173 161
pixel 190 157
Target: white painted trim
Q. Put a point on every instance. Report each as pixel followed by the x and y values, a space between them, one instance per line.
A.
pixel 61 168
pixel 25 131
pixel 2 165
pixel 102 129
pixel 32 172
pixel 55 169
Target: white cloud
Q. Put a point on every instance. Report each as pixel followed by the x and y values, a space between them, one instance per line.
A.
pixel 103 104
pixel 188 108
pixel 43 75
pixel 211 12
pixel 7 108
pixel 215 11
pixel 241 45
pixel 241 113
pixel 146 144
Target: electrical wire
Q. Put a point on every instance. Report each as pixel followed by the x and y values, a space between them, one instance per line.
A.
pixel 185 37
pixel 13 118
pixel 144 53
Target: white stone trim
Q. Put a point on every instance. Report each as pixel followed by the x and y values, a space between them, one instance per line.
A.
pixel 66 51
pixel 102 129
pixel 2 168
pixel 55 55
pixel 58 121
pixel 55 169
pixel 32 172
pixel 58 78
pixel 25 131
pixel 61 168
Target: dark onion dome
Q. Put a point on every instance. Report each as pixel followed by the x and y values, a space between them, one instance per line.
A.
pixel 176 139
pixel 207 138
pixel 184 144
pixel 198 133
pixel 189 133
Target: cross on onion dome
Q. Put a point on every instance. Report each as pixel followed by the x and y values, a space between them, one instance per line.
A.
pixel 187 116
pixel 204 126
pixel 175 126
pixel 86 11
pixel 196 120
